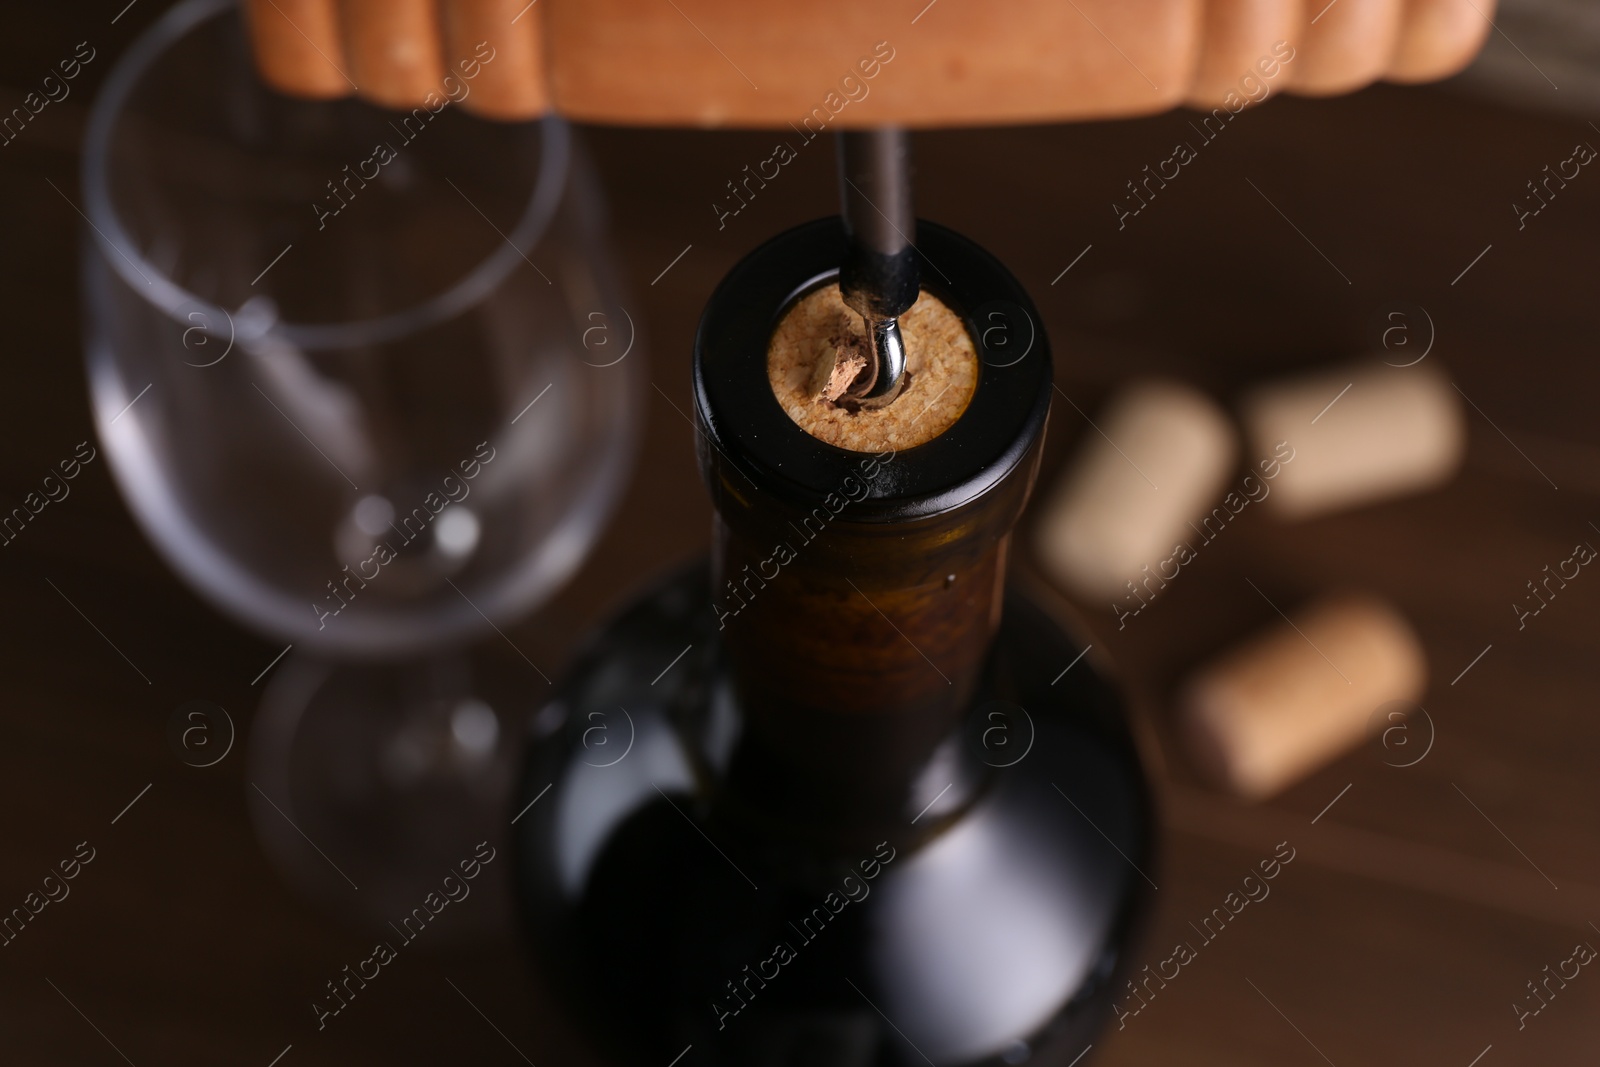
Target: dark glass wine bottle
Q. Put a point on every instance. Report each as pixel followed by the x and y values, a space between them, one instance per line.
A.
pixel 837 799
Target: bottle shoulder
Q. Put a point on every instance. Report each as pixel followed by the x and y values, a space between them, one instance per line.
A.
pixel 995 918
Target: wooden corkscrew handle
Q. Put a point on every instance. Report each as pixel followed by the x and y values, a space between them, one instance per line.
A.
pixel 910 62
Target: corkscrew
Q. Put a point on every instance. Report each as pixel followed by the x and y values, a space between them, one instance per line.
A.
pixel 880 276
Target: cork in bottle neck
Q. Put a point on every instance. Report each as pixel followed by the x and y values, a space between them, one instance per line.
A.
pixel 859 581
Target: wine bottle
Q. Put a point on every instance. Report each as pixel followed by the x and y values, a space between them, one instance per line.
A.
pixel 835 797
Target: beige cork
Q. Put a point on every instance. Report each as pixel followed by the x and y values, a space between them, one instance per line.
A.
pixel 1129 498
pixel 819 332
pixel 1359 434
pixel 1299 694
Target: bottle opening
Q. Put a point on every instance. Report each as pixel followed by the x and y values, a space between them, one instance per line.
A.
pixel 817 354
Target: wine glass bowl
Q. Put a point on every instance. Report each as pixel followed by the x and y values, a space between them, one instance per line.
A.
pixel 341 357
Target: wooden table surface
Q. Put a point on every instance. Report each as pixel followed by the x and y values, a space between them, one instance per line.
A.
pixel 1417 906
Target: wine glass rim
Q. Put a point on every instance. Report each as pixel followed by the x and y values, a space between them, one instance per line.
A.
pixel 117 245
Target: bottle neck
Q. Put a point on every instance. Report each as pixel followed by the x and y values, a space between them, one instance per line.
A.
pixel 858 594
pixel 855 649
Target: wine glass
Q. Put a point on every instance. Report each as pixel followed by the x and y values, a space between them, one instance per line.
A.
pixel 363 379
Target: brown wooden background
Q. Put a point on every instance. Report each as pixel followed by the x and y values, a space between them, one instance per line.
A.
pixel 1408 923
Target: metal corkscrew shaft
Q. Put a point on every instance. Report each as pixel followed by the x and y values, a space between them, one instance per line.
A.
pixel 879 277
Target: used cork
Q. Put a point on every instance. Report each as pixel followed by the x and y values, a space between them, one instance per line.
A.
pixel 1122 508
pixel 816 351
pixel 1300 694
pixel 1361 434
